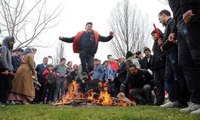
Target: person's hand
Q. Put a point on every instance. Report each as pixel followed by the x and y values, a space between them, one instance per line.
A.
pixel 187 16
pixel 60 38
pixel 12 73
pixel 5 72
pixel 65 75
pixel 83 81
pixel 150 71
pixel 161 48
pixel 91 78
pixel 121 95
pixel 117 75
pixel 172 37
pixel 111 33
pixel 160 42
pixel 35 75
pixel 58 74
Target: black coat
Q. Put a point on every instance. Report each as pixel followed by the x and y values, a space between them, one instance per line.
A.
pixel 16 61
pixel 137 81
pixel 145 64
pixel 158 59
pixel 122 72
pixel 167 45
pixel 179 7
pixel 40 69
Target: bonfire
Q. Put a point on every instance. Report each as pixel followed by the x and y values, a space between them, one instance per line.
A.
pixel 74 97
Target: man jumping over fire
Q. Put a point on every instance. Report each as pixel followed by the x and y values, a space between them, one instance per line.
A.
pixel 86 43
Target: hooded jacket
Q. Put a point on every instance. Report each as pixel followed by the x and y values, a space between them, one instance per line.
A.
pixel 5 50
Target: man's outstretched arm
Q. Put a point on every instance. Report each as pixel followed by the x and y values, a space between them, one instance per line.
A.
pixel 68 40
pixel 106 39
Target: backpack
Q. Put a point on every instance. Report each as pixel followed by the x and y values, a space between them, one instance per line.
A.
pixel 51 78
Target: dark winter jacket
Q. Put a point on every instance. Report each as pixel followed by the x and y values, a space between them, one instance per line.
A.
pixel 179 7
pixel 137 81
pixel 193 5
pixel 16 61
pixel 145 64
pixel 122 71
pixel 158 59
pixel 5 58
pixel 167 45
pixel 40 69
pixel 87 42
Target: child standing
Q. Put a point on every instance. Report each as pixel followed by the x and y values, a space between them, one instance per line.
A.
pixel 50 82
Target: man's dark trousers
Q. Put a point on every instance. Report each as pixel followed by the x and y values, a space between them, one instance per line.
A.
pixel 188 47
pixel 87 61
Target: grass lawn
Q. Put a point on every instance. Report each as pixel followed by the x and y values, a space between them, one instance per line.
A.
pixel 48 112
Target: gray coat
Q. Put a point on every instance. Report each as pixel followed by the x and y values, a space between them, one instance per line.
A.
pixel 5 58
pixel 62 70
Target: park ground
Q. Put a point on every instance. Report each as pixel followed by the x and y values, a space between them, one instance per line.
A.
pixel 49 112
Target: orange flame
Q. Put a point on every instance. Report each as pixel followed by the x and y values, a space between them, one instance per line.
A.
pixel 103 99
pixel 72 93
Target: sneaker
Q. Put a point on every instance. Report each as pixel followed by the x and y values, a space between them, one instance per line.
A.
pixel 191 107
pixel 196 111
pixel 170 104
pixel 2 105
pixel 12 103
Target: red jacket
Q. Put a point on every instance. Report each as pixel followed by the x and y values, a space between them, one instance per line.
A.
pixel 76 43
pixel 114 65
pixel 46 72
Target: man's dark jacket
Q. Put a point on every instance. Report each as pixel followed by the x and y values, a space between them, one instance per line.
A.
pixel 145 64
pixel 137 81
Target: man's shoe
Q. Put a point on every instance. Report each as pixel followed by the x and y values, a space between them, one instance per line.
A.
pixel 2 105
pixel 171 104
pixel 12 103
pixel 196 111
pixel 191 107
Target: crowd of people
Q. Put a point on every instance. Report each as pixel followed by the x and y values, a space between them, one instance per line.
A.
pixel 171 66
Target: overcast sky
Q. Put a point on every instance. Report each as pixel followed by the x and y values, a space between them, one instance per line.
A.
pixel 77 12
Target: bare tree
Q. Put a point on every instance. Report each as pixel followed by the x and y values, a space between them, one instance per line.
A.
pixel 27 21
pixel 164 2
pixel 130 27
pixel 59 53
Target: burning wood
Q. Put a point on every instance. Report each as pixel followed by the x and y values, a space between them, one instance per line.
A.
pixel 73 97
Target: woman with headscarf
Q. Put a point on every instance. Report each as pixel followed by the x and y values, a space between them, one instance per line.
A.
pixel 23 90
pixel 6 68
